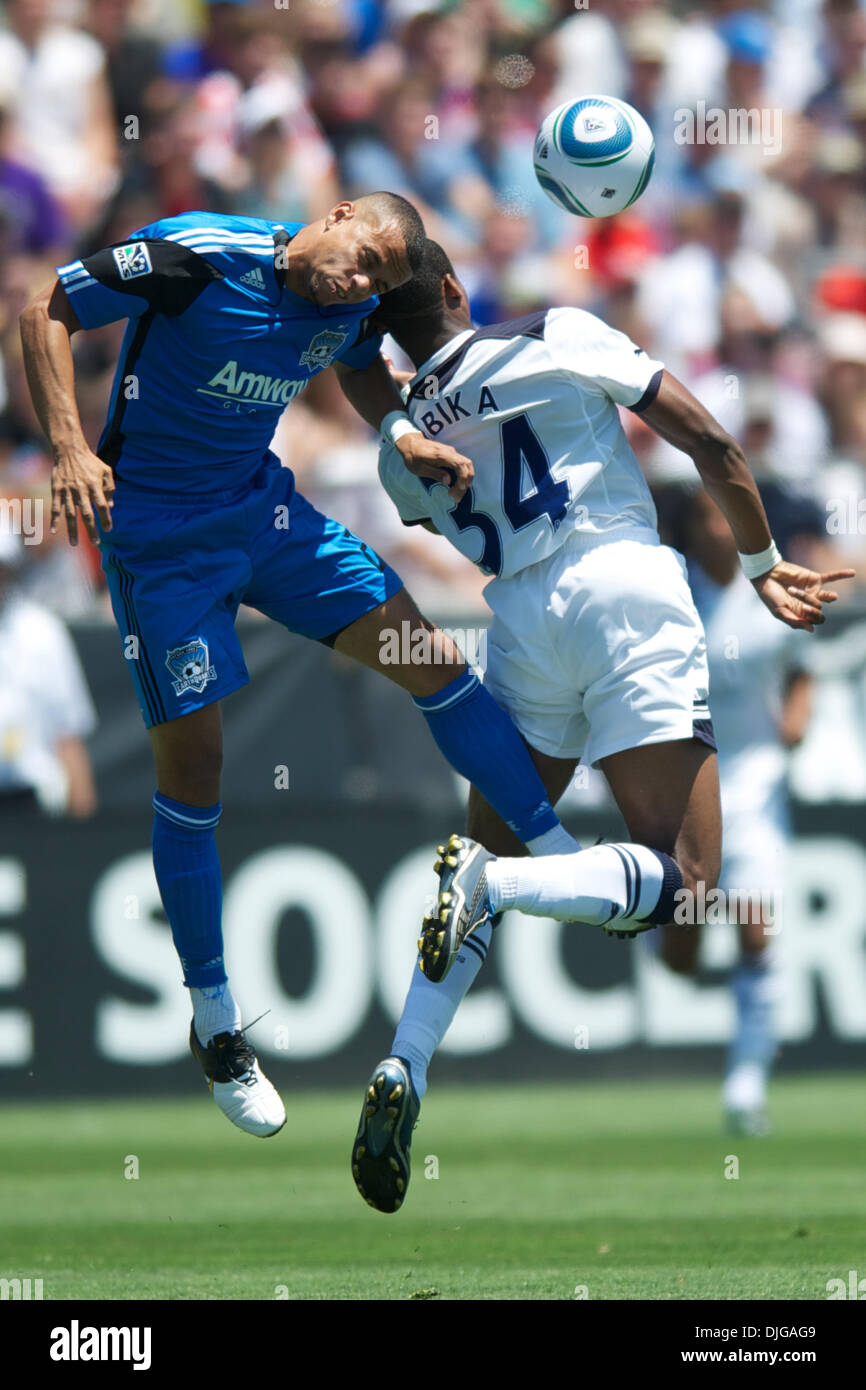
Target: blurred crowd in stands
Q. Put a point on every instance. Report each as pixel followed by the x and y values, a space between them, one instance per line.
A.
pixel 743 267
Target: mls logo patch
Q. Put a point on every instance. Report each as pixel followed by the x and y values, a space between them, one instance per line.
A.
pixel 190 666
pixel 323 348
pixel 133 260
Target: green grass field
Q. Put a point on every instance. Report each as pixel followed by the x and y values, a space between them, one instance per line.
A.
pixel 620 1188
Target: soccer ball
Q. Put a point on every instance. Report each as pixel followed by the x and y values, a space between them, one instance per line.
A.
pixel 594 156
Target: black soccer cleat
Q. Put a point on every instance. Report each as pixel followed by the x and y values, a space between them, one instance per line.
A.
pixel 380 1154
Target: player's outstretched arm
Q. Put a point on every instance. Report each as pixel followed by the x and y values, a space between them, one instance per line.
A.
pixel 79 480
pixel 793 594
pixel 374 394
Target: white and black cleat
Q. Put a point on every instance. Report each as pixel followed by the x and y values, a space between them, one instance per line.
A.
pixel 238 1085
pixel 462 905
pixel 380 1153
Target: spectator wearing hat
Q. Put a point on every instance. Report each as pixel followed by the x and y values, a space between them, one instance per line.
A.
pixel 291 175
pixel 842 338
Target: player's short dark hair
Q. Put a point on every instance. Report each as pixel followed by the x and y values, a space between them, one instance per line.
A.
pixel 390 207
pixel 422 295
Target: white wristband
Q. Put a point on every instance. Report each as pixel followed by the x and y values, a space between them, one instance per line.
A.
pixel 761 563
pixel 395 425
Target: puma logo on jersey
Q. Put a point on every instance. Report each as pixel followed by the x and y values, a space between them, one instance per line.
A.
pixel 253 277
pixel 236 388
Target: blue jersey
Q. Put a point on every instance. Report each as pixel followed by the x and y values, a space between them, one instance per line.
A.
pixel 215 349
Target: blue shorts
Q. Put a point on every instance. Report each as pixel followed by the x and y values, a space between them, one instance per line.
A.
pixel 178 567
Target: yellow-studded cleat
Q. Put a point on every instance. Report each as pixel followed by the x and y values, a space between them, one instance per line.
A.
pixel 381 1151
pixel 462 905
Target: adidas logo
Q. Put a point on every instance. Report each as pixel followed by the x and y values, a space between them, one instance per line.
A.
pixel 543 150
pixel 254 278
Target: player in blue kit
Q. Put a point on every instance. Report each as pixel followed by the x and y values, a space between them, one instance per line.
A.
pixel 229 318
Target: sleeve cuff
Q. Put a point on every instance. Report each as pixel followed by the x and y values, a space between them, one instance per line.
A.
pixel 650 393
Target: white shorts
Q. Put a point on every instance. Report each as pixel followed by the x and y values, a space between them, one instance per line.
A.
pixel 756 823
pixel 599 648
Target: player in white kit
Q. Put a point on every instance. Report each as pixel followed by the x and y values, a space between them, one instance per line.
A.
pixel 595 649
pixel 761 693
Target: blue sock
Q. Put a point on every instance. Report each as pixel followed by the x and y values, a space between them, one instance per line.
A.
pixel 187 868
pixel 481 743
pixel 753 985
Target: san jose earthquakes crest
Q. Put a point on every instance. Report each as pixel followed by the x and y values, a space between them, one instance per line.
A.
pixel 323 348
pixel 190 666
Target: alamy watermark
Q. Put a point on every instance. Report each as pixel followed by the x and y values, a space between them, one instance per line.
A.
pixel 20 1289
pixel 733 905
pixel 22 516
pixel 412 646
pixel 711 125
pixel 855 1287
pixel 77 1343
pixel 846 516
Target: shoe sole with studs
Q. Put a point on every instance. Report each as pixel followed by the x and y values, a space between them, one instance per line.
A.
pixel 380 1154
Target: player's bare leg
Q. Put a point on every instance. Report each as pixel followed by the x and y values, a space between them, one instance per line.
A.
pixel 490 830
pixel 188 754
pixel 473 732
pixel 188 757
pixel 687 817
pixel 487 836
pixel 462 859
pixel 432 658
pixel 668 794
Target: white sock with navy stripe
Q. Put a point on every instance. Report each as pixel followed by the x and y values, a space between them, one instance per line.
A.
pixel 429 1008
pixel 616 882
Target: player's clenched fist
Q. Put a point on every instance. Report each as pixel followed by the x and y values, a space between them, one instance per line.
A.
pixel 795 595
pixel 81 482
pixel 427 459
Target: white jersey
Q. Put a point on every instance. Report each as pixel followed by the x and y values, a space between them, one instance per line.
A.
pixel 43 698
pixel 751 656
pixel 533 403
